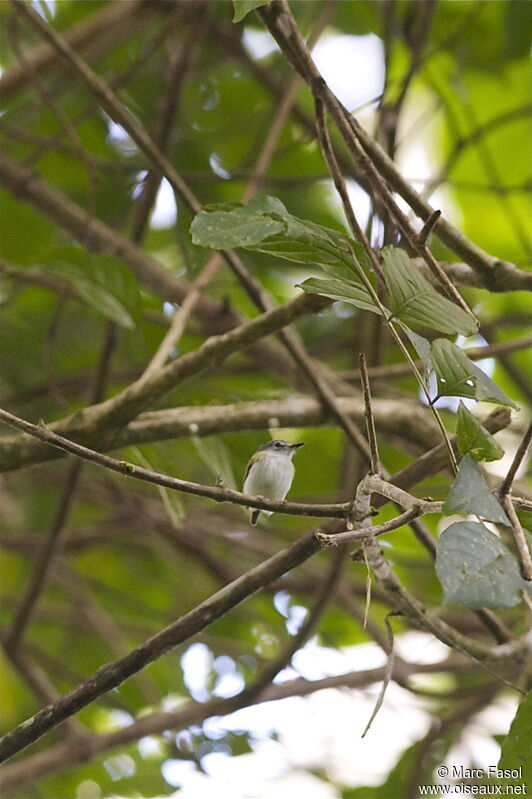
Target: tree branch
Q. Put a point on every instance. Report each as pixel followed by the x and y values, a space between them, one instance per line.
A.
pixel 42 433
pixel 77 751
pixel 392 418
pixel 278 19
pixel 113 674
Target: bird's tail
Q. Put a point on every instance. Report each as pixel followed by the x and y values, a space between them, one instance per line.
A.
pixel 254 515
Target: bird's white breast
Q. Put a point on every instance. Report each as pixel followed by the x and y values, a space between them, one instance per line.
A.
pixel 276 475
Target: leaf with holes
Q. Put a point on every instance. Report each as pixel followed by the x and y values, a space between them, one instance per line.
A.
pixel 416 302
pixel 470 493
pixel 475 569
pixel 457 376
pixel 475 439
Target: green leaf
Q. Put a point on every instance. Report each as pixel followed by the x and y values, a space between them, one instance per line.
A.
pixel 300 252
pixel 341 290
pixel 243 7
pixel 457 376
pixel 475 569
pixel 265 225
pixel 515 749
pixel 415 301
pixel 237 228
pixel 470 493
pixel 103 282
pixel 475 439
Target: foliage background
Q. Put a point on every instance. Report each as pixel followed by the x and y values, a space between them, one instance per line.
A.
pixel 83 314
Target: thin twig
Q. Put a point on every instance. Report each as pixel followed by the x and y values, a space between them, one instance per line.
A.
pixel 341 187
pixel 519 537
pixel 520 453
pixel 388 672
pixel 368 413
pixel 360 534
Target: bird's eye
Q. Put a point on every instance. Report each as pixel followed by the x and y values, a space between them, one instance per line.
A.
pixel 278 444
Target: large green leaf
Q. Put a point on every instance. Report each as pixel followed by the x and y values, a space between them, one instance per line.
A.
pixel 475 568
pixel 265 225
pixel 457 376
pixel 415 301
pixel 475 439
pixel 470 493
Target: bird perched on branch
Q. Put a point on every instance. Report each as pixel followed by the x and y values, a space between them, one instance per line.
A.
pixel 269 473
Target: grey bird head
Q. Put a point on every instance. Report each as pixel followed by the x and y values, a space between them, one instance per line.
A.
pixel 281 447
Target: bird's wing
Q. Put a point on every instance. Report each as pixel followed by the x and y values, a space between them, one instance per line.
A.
pixel 248 469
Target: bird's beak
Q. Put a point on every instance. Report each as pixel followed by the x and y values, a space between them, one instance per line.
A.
pixel 297 446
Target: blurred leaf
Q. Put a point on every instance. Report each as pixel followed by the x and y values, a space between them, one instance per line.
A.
pixel 416 302
pixel 103 282
pixel 518 25
pixel 157 462
pixel 515 748
pixel 217 458
pixel 457 376
pixel 475 439
pixel 470 493
pixel 525 517
pixel 475 568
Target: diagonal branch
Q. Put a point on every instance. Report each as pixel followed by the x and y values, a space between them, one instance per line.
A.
pixel 278 19
pixel 120 114
pixel 76 751
pixel 113 674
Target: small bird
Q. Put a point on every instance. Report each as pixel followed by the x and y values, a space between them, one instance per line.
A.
pixel 269 473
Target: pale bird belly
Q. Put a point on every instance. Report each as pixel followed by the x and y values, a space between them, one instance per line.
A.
pixel 275 481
